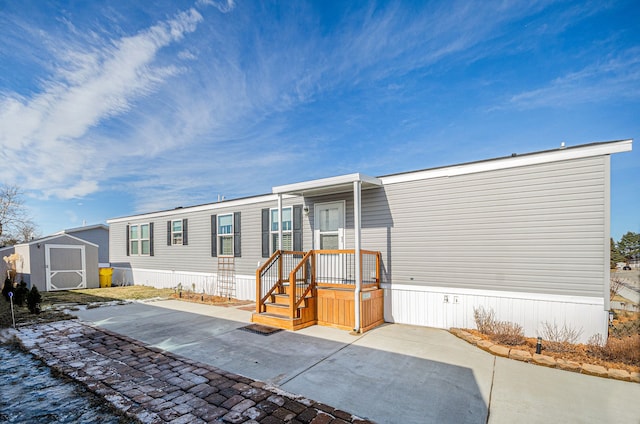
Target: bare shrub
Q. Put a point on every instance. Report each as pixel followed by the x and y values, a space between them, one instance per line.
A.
pixel 485 320
pixel 559 339
pixel 508 333
pixel 595 342
pixel 624 349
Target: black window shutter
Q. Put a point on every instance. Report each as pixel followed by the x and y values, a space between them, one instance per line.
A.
pixel 297 228
pixel 128 240
pixel 214 236
pixel 151 239
pixel 185 240
pixel 237 250
pixel 266 252
pixel 168 233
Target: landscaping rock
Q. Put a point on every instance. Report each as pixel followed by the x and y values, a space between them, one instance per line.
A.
pixel 597 370
pixel 499 350
pixel 563 364
pixel 520 355
pixel 484 344
pixel 619 374
pixel 544 360
pixel 635 377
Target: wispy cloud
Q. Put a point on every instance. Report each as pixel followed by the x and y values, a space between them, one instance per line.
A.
pixel 615 77
pixel 46 138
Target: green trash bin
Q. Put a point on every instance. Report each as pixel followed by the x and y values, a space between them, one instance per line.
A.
pixel 105 276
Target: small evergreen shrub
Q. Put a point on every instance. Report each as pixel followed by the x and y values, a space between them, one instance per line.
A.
pixel 20 294
pixel 33 300
pixel 8 286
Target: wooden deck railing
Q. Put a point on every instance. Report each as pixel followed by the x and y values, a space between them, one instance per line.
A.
pixel 272 276
pixel 298 273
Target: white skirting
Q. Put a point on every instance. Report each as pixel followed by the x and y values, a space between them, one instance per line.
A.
pixel 421 305
pixel 446 308
pixel 199 282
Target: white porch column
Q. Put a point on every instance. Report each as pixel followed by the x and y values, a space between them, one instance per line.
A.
pixel 357 188
pixel 279 221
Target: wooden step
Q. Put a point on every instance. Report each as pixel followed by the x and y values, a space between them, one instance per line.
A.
pixel 280 299
pixel 277 309
pixel 278 321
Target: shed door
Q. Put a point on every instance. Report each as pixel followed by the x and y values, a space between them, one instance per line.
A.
pixel 65 267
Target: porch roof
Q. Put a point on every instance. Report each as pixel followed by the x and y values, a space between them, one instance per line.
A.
pixel 338 184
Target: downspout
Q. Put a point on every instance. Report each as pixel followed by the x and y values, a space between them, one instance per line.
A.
pixel 357 187
pixel 279 221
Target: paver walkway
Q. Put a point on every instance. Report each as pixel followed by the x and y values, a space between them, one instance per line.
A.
pixel 156 386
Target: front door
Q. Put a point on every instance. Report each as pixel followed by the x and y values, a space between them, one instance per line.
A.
pixel 329 235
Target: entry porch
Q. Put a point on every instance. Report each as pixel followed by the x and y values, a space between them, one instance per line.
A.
pixel 295 290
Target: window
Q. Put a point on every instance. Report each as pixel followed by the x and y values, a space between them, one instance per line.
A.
pixel 291 229
pixel 140 239
pixel 287 235
pixel 133 239
pixel 176 232
pixel 225 235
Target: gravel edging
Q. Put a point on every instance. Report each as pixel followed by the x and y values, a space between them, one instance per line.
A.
pixel 545 360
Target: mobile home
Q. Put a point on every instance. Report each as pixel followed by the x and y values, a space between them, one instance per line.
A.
pixel 526 235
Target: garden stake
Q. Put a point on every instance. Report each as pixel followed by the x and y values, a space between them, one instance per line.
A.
pixel 13 317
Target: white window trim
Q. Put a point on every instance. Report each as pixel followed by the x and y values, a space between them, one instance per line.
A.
pixel 139 239
pixel 274 233
pixel 173 233
pixel 220 236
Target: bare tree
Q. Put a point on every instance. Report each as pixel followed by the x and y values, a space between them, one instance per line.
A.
pixel 13 216
pixel 614 287
pixel 28 231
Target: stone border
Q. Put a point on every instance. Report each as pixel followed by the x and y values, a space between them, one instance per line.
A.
pixel 153 386
pixel 545 360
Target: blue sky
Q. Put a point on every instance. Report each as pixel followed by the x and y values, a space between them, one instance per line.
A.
pixel 113 108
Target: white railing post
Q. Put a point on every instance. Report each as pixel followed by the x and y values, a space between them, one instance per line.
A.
pixel 279 221
pixel 357 187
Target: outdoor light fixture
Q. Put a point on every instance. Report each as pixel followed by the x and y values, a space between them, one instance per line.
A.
pixel 306 210
pixel 539 345
pixel 610 317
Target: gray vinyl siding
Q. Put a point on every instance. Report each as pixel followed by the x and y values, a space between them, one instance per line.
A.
pixel 196 255
pixel 99 236
pixel 535 229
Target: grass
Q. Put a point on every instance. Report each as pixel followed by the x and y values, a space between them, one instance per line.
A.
pixel 53 303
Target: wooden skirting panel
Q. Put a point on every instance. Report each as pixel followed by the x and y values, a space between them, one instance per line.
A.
pixel 335 308
pixel 371 309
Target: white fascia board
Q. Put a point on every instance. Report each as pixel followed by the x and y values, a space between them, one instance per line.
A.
pixel 208 207
pixel 326 182
pixel 516 161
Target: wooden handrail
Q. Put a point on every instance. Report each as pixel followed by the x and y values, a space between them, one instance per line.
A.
pixel 293 301
pixel 259 299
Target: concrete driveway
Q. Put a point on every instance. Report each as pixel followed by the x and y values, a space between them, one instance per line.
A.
pixel 392 374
